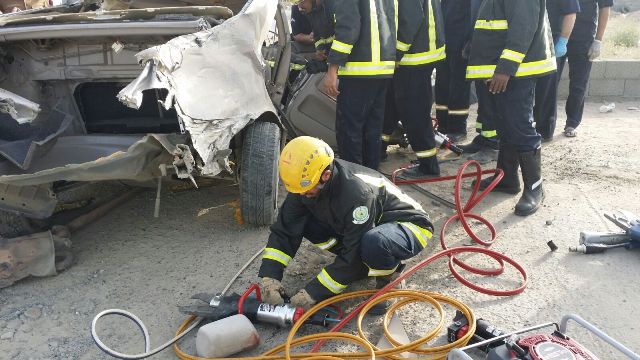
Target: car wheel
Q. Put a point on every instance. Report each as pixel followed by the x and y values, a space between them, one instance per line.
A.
pixel 259 173
pixel 14 225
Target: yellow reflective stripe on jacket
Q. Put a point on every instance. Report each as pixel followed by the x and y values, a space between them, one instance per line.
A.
pixel 339 46
pixel 384 137
pixel 512 55
pixel 489 133
pixel 327 244
pixel 423 57
pixel 377 272
pixel 492 24
pixel 427 153
pixel 367 68
pixel 297 66
pixel 423 235
pixel 328 282
pixel 276 255
pixel 525 69
pixel 375 32
pixel 432 28
pixel 459 112
pixel 402 46
pixel 441 107
pixel 478 125
pixel 323 41
pixel 537 67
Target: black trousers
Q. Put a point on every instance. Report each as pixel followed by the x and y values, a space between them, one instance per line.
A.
pixel 381 248
pixel 390 112
pixel 513 110
pixel 414 99
pixel 452 93
pixel 579 71
pixel 486 120
pixel 546 104
pixel 359 117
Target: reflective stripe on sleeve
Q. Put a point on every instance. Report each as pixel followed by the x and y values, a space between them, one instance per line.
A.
pixel 384 137
pixel 328 282
pixel 423 235
pixel 402 46
pixel 489 133
pixel 327 244
pixel 492 24
pixel 276 255
pixel 459 112
pixel 478 125
pixel 339 46
pixel 441 107
pixel 324 41
pixel 512 55
pixel 378 272
pixel 427 153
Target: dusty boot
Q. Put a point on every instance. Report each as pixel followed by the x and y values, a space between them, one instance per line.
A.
pixel 532 196
pixel 508 162
pixel 427 167
pixel 382 281
pixel 383 149
pixel 474 146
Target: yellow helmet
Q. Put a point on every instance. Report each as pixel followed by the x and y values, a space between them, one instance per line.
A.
pixel 302 162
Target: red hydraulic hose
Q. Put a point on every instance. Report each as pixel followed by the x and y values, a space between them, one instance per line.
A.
pixel 462 212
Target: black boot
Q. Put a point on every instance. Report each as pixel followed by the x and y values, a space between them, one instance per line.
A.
pixel 474 146
pixel 383 150
pixel 508 162
pixel 532 196
pixel 428 167
pixel 382 281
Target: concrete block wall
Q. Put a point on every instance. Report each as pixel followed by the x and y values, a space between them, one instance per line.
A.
pixel 610 80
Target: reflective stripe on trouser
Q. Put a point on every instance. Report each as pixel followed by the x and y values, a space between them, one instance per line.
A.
pixel 485 123
pixel 383 247
pixel 513 111
pixel 413 93
pixel 359 119
pixel 452 93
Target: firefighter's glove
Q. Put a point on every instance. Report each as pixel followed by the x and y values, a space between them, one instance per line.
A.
pixel 272 291
pixel 316 66
pixel 594 50
pixel 303 299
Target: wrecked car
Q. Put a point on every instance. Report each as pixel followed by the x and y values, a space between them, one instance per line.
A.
pixel 140 92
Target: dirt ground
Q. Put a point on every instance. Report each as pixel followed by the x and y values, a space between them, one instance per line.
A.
pixel 133 261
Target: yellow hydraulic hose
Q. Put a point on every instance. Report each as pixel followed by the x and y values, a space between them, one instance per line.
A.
pixel 404 297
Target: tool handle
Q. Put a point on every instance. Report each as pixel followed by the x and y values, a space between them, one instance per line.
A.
pixel 607 238
pixel 252 288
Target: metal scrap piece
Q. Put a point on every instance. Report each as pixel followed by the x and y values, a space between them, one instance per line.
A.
pixel 20 109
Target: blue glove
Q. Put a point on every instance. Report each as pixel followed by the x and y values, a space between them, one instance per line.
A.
pixel 561 47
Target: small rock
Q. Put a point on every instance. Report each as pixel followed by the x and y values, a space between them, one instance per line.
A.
pixel 549 222
pixel 33 313
pixel 7 335
pixel 53 344
pixel 14 324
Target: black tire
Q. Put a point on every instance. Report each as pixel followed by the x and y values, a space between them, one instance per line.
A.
pixel 14 225
pixel 259 173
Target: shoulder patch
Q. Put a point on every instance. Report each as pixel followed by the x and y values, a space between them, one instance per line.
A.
pixel 360 215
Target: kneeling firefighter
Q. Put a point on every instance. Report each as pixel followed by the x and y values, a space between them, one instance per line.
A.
pixel 347 209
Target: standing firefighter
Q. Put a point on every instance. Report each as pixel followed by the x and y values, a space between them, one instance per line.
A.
pixel 511 48
pixel 344 208
pixel 420 47
pixel 363 54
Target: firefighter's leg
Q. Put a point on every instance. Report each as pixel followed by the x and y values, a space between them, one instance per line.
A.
pixel 415 101
pixel 545 108
pixel 442 95
pixel 374 119
pixel 459 93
